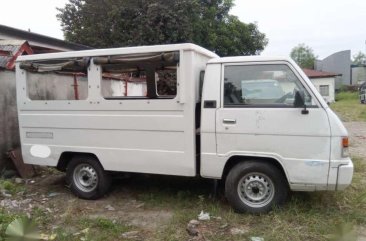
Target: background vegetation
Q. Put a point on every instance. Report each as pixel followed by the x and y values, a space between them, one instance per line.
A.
pixel 118 23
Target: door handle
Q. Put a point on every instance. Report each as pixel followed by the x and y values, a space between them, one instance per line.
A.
pixel 229 121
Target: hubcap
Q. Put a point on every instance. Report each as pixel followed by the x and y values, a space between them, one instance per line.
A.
pixel 85 177
pixel 256 190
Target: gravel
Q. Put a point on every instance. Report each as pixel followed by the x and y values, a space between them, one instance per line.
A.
pixel 357 133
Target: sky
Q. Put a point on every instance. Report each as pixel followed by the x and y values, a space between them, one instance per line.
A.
pixel 327 26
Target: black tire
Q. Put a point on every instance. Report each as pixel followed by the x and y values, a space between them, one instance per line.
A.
pixel 261 181
pixel 87 178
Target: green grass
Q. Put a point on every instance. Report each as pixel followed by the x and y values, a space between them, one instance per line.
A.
pixel 77 228
pixel 8 186
pixel 5 219
pixel 93 229
pixel 347 106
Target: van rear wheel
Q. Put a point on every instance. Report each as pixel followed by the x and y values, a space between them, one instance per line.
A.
pixel 87 178
pixel 255 187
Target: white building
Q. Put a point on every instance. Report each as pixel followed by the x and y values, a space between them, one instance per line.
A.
pixel 324 83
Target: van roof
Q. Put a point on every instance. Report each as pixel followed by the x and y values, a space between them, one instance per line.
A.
pixel 248 59
pixel 120 51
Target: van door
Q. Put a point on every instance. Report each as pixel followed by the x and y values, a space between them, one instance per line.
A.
pixel 259 116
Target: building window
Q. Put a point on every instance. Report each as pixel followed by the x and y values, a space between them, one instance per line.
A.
pixel 324 90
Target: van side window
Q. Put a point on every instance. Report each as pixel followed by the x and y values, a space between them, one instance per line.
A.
pixel 261 85
pixel 63 79
pixel 135 76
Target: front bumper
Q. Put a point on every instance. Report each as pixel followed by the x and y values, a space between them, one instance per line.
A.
pixel 344 177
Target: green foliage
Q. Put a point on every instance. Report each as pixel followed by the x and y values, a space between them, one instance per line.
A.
pixel 9 186
pixel 116 23
pixel 303 56
pixel 359 58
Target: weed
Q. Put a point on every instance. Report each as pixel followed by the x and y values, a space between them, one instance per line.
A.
pixel 8 186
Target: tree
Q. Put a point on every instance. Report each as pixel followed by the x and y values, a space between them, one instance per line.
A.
pixel 359 58
pixel 117 23
pixel 303 56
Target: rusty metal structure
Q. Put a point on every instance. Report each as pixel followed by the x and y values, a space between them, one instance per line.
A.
pixel 10 50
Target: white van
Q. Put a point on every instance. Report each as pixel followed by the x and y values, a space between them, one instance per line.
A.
pixel 181 110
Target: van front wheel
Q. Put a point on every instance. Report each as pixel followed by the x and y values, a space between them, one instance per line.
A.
pixel 87 178
pixel 255 187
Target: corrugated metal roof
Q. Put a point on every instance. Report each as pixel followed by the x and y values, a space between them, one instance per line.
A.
pixel 56 44
pixel 9 49
pixel 318 74
pixel 13 42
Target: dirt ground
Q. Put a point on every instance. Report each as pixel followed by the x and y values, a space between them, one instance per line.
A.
pixel 135 201
pixel 357 133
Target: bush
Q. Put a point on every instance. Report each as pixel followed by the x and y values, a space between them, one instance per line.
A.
pixel 350 88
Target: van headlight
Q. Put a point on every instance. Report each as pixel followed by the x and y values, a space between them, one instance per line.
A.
pixel 345 145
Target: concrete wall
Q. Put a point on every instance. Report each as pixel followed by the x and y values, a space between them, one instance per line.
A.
pixel 317 82
pixel 9 130
pixel 339 63
pixel 52 86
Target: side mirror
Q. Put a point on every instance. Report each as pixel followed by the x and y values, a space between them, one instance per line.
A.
pixel 300 102
pixel 299 99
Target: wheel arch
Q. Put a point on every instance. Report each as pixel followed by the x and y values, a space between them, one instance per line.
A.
pixel 234 160
pixel 66 157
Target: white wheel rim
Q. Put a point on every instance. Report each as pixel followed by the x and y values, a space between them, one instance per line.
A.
pixel 85 177
pixel 256 190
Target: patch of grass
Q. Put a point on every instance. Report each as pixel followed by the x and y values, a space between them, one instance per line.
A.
pixel 347 106
pixel 346 95
pixel 42 217
pixel 307 216
pixel 10 187
pixel 170 192
pixel 82 228
pixel 102 228
pixel 5 219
